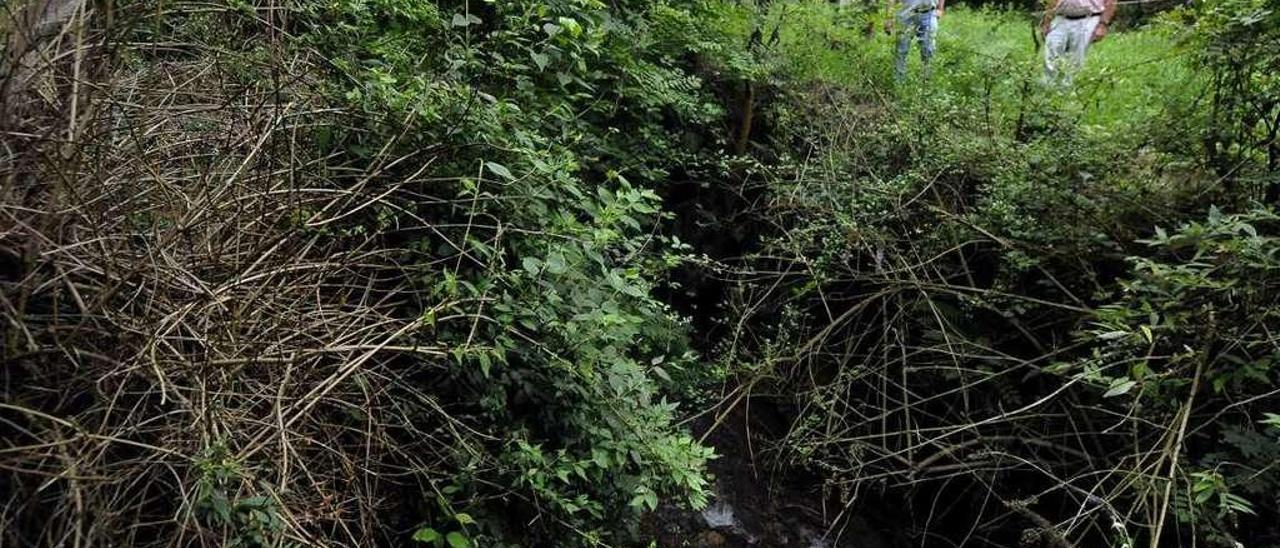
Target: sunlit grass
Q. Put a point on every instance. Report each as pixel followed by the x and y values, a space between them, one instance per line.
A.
pixel 990 57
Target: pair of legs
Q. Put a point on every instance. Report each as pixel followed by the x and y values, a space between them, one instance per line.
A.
pixel 922 27
pixel 1065 47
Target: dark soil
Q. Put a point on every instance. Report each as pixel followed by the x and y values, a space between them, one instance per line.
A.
pixel 756 502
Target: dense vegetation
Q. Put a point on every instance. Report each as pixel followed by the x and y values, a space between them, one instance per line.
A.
pixel 494 273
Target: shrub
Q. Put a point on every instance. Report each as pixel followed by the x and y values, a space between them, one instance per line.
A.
pixel 343 271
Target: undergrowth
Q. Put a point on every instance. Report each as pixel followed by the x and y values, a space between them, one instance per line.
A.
pixel 980 293
pixel 377 272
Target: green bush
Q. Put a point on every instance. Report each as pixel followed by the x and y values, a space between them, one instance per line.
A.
pixel 940 247
pixel 464 199
pixel 1191 342
pixel 556 119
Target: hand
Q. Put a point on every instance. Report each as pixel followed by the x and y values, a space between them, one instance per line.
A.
pixel 1099 32
pixel 941 12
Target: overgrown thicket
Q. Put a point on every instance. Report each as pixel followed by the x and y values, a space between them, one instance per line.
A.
pixel 1020 318
pixel 375 272
pixel 344 272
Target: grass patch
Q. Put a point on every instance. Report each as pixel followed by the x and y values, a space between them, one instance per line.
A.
pixel 991 57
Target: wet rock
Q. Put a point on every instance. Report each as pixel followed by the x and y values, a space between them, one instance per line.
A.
pixel 721 516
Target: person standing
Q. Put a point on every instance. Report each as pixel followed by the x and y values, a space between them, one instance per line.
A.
pixel 919 19
pixel 1069 27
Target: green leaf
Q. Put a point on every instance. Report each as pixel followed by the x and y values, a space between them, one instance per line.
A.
pixel 651 500
pixel 1272 419
pixel 646 498
pixel 600 458
pixel 571 25
pixel 221 507
pixel 556 263
pixel 426 534
pixel 255 502
pixel 501 170
pixel 1119 388
pixel 661 374
pixel 457 540
pixel 541 60
pixel 637 501
pixel 464 518
pixel 1238 504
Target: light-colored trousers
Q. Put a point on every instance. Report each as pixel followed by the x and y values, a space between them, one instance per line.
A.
pixel 1065 47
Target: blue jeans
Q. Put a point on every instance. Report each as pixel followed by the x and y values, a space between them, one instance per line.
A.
pixel 919 25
